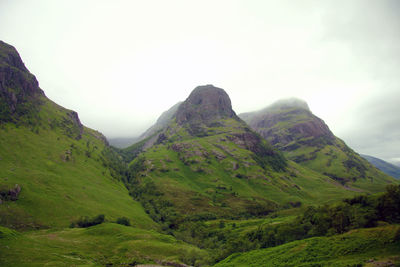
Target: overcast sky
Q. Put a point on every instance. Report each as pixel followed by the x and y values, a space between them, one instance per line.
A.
pixel 120 64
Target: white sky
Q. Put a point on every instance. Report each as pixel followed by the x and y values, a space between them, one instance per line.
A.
pixel 120 64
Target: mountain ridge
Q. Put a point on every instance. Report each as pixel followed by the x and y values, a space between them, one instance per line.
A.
pixel 304 138
pixel 55 159
pixel 384 166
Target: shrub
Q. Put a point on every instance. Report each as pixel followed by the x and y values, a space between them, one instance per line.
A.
pixel 85 221
pixel 124 221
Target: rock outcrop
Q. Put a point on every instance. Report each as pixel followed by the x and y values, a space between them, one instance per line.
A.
pixel 205 105
pixel 290 126
pixel 10 194
pixel 19 89
pixel 287 121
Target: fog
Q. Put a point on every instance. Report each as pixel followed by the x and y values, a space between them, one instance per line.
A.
pixel 120 64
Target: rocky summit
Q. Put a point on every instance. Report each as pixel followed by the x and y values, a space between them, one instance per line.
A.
pixel 205 104
pixel 286 122
pixel 19 89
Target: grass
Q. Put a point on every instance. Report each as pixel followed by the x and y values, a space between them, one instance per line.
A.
pixel 214 174
pixel 354 248
pixel 100 245
pixel 62 178
pixel 327 155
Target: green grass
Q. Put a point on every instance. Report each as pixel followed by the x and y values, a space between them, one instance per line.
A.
pixel 61 178
pixel 99 245
pixel 215 174
pixel 354 248
pixel 325 154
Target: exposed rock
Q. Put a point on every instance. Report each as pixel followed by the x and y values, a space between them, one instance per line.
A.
pixel 161 122
pixel 17 85
pixel 205 104
pixel 218 155
pixel 10 194
pixel 301 124
pixel 13 193
pixel 75 119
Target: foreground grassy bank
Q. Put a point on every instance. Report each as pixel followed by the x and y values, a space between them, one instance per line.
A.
pixel 355 248
pixel 100 245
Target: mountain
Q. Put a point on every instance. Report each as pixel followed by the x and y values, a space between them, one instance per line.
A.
pixel 54 160
pixel 55 173
pixel 122 142
pixel 208 162
pixel 386 167
pixel 290 126
pixel 201 186
pixel 161 122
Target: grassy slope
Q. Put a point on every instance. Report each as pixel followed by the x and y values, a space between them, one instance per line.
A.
pixel 214 174
pixel 329 160
pixel 61 167
pixel 325 157
pixel 349 249
pixel 57 190
pixel 99 245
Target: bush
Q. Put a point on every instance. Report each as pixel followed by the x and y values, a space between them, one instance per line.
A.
pixel 85 221
pixel 124 221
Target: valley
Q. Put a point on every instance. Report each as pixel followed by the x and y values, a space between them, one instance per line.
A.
pixel 202 187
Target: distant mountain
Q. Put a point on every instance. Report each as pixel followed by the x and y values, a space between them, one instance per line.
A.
pixel 161 122
pixel 384 166
pixel 122 142
pixel 290 126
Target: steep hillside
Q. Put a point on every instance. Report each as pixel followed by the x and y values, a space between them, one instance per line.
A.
pixel 161 122
pixel 208 163
pixel 290 126
pixel 384 166
pixel 53 170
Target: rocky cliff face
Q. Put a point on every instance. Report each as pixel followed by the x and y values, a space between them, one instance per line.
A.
pixel 21 99
pixel 205 105
pixel 288 121
pixel 19 89
pixel 304 138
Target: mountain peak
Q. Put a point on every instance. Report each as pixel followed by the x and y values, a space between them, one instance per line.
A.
pixel 287 121
pixel 289 103
pixel 19 89
pixel 205 104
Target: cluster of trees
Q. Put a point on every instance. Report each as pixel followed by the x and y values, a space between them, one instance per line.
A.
pixel 223 239
pixel 358 212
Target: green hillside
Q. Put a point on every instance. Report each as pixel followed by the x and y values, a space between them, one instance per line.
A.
pixel 290 126
pixel 200 186
pixel 207 163
pixel 364 247
pixel 386 167
pixel 56 173
pixel 60 165
pixel 101 245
